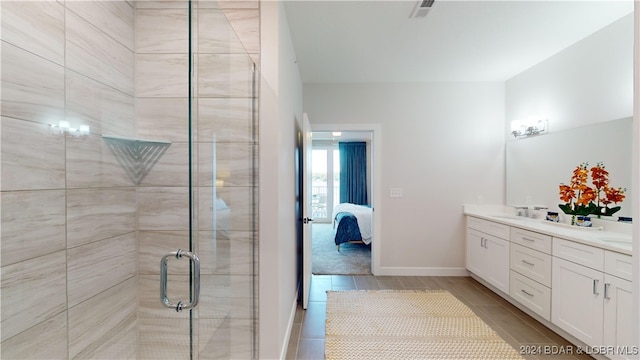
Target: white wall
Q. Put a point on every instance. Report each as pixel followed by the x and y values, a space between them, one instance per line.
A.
pixel 589 82
pixel 280 109
pixel 443 144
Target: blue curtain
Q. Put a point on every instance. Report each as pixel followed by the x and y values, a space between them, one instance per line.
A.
pixel 353 172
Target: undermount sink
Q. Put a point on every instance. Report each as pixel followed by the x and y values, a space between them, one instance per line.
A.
pixel 626 240
pixel 506 216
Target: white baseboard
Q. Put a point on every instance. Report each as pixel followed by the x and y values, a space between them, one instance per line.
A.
pixel 285 346
pixel 422 271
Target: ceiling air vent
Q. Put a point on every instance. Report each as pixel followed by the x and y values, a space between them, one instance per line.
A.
pixel 426 3
pixel 422 8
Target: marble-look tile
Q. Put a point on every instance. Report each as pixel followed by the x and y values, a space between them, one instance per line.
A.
pixel 96 214
pixel 97 266
pixel 150 306
pixel 233 164
pixel 165 338
pixel 32 291
pixel 162 75
pixel 236 4
pixel 163 208
pixel 216 34
pixel 47 340
pixel 225 120
pixel 122 346
pixel 232 254
pixel 104 109
pixel 90 163
pixel 226 339
pixel 161 31
pixel 96 55
pixel 32 157
pixel 162 4
pixel 164 119
pixel 115 18
pixel 97 322
pixel 224 296
pixel 45 23
pixel 231 209
pixel 171 169
pixel 224 75
pixel 246 23
pixel 33 224
pixel 153 245
pixel 32 87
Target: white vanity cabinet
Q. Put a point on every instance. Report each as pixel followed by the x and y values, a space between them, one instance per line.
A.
pixel 488 252
pixel 569 280
pixel 591 297
pixel 618 306
pixel 577 300
pixel 530 276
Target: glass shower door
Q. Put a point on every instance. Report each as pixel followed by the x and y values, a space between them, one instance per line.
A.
pixel 206 207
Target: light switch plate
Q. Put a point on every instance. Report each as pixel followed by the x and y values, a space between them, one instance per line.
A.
pixel 395 192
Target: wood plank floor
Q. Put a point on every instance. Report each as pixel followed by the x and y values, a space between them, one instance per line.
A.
pixel 514 326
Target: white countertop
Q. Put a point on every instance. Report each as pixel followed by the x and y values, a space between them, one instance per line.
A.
pixel 615 237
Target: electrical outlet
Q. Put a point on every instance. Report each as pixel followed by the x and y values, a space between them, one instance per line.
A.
pixel 395 192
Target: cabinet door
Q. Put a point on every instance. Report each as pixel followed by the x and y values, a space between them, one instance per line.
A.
pixel 618 309
pixel 576 305
pixel 476 253
pixel 497 263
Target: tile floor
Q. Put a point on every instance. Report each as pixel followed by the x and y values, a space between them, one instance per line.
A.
pixel 513 325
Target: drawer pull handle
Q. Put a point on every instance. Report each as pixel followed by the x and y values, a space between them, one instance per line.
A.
pixel 528 239
pixel 595 287
pixel 528 263
pixel 606 291
pixel 526 292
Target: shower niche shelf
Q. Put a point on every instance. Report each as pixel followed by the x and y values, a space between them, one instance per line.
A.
pixel 136 156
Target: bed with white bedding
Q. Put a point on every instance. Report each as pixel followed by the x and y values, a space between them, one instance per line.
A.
pixel 352 223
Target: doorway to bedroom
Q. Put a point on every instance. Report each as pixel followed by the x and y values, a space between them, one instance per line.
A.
pixel 353 255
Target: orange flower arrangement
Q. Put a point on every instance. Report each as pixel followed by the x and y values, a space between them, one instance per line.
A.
pixel 581 199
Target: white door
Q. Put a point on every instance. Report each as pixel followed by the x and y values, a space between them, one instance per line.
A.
pixel 576 300
pixel 497 263
pixel 476 254
pixel 306 210
pixel 618 319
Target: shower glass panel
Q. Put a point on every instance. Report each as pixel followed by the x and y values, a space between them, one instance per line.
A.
pixel 208 208
pixel 127 132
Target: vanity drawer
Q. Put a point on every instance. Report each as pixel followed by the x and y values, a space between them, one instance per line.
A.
pixel 617 264
pixel 585 255
pixel 531 239
pixel 531 294
pixel 489 227
pixel 531 263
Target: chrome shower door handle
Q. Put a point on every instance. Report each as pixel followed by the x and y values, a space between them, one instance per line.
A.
pixel 195 283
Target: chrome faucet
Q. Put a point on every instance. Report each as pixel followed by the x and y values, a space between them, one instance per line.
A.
pixel 522 211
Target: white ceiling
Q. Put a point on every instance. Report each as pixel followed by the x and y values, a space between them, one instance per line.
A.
pixel 379 41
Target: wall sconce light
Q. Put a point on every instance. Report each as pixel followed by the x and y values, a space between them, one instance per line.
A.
pixel 63 127
pixel 336 133
pixel 529 127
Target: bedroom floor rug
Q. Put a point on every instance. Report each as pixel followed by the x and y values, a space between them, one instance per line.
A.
pixel 406 324
pixel 352 259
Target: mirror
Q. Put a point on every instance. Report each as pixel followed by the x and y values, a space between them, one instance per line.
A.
pixel 536 166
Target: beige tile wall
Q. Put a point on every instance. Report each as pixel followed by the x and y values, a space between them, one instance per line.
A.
pixel 68 223
pixel 80 243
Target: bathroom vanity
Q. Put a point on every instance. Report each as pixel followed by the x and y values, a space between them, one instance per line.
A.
pixel 576 281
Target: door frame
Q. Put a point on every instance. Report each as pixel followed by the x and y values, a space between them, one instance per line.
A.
pixel 376 183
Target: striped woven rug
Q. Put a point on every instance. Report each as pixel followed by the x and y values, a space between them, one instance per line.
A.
pixel 405 324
